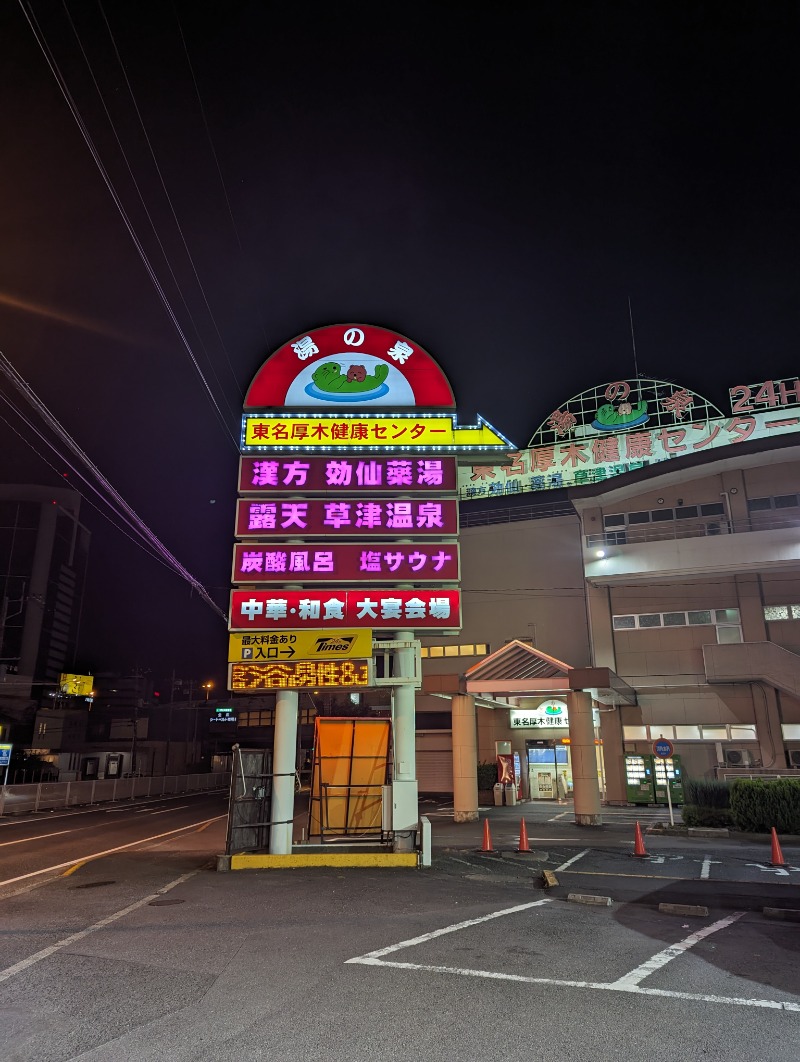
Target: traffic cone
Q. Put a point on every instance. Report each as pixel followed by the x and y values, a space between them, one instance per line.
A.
pixel 638 842
pixel 487 837
pixel 777 855
pixel 523 837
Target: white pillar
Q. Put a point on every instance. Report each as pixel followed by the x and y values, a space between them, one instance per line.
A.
pixel 405 811
pixel 586 787
pixel 465 759
pixel 284 753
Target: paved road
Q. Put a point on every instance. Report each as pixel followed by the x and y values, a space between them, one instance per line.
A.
pixel 148 954
pixel 34 846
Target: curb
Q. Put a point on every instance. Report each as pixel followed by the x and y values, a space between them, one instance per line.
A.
pixel 782 914
pixel 582 897
pixel 684 909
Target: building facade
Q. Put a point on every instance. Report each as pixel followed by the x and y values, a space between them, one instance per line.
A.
pixel 45 550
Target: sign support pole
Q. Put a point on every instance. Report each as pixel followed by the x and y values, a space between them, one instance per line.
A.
pixel 283 767
pixel 405 810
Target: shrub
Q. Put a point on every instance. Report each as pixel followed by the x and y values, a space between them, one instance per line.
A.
pixel 758 804
pixel 707 793
pixel 700 815
pixel 487 775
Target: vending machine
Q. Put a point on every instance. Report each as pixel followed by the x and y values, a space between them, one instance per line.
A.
pixel 639 780
pixel 668 771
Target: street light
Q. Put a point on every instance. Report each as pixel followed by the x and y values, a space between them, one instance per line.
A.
pixel 207 686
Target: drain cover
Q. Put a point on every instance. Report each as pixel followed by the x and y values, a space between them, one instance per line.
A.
pixel 164 903
pixel 92 884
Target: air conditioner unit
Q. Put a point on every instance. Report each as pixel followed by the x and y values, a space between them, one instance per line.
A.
pixel 738 758
pixel 794 757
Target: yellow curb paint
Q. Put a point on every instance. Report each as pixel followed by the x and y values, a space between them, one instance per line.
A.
pixel 322 859
pixel 72 869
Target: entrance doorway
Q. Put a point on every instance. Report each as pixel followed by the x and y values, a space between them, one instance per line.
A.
pixel 550 768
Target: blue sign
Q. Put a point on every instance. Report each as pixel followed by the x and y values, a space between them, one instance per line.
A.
pixel 662 748
pixel 5 755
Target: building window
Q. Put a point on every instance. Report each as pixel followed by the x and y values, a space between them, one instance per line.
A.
pixel 686 512
pixel 785 501
pixel 780 612
pixel 468 649
pixel 756 505
pixel 712 509
pixel 695 618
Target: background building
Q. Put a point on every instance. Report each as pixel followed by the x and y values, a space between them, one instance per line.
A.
pixel 44 550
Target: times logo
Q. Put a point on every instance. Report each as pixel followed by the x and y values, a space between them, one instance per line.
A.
pixel 333 644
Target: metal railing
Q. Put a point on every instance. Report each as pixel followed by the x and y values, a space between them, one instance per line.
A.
pixel 46 796
pixel 675 529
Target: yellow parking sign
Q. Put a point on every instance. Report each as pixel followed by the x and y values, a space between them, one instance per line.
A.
pixel 261 646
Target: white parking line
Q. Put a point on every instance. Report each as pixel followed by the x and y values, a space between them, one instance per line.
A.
pixel 629 983
pixel 45 953
pixel 574 859
pixel 661 958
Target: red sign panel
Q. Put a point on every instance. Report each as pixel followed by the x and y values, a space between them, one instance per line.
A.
pixel 423 562
pixel 333 475
pixel 379 609
pixel 350 366
pixel 346 517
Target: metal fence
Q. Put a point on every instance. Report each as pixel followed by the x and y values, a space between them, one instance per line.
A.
pixel 45 796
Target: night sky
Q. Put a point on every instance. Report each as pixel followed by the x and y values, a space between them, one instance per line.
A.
pixel 494 182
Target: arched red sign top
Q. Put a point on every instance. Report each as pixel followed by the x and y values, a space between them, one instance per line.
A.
pixel 347 366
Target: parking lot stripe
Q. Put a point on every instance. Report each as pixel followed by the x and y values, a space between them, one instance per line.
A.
pixel 448 929
pixel 45 953
pixel 661 958
pixel 574 859
pixel 769 1004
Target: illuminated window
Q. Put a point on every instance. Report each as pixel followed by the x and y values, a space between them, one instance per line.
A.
pixel 467 649
pixel 780 612
pixel 699 618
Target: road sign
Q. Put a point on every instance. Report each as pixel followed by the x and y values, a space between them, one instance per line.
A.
pixel 5 755
pixel 662 748
pixel 260 648
pixel 305 674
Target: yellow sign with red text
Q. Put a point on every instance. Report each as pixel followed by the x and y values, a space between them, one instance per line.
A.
pixel 350 431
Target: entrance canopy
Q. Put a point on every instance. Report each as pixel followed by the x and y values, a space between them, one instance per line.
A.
pixel 519 670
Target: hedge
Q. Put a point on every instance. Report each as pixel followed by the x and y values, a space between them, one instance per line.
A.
pixel 758 805
pixel 700 815
pixel 705 793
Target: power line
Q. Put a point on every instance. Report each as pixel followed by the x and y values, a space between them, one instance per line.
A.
pixel 30 396
pixel 51 62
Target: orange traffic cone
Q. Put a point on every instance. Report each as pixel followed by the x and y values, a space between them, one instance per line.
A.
pixel 523 837
pixel 487 837
pixel 777 855
pixel 638 843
